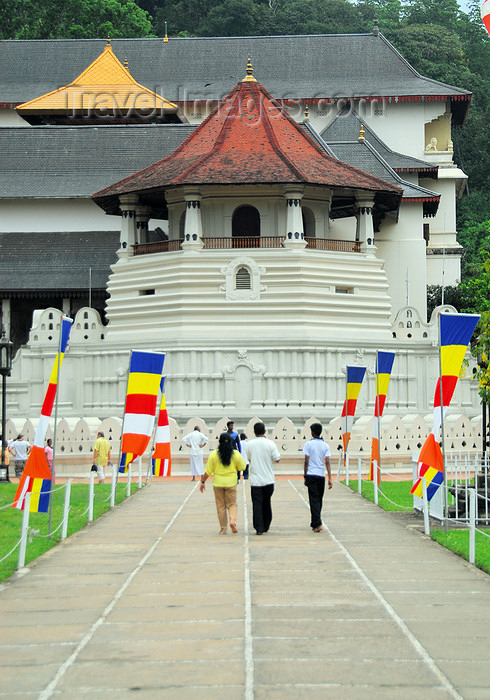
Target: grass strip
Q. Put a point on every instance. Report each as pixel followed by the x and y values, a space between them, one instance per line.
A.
pixel 396 491
pixel 458 541
pixel 11 520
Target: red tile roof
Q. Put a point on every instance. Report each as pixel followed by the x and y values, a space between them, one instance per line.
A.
pixel 248 139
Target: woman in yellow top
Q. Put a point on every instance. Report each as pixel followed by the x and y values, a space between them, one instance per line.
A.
pixel 223 465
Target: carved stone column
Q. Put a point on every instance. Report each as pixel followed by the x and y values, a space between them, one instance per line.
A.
pixel 128 203
pixel 142 218
pixel 193 221
pixel 365 226
pixel 295 236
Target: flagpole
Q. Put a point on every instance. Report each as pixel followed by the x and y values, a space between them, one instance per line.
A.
pixel 53 470
pixel 442 426
pixel 378 475
pixel 346 413
pixel 122 426
pixel 155 426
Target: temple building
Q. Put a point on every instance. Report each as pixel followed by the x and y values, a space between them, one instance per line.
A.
pixel 264 227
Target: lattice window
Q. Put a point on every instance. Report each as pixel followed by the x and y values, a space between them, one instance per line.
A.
pixel 243 279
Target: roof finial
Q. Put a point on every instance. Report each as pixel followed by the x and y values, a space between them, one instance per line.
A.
pixel 108 40
pixel 307 113
pixel 165 38
pixel 249 77
pixel 126 64
pixel 375 26
pixel 361 134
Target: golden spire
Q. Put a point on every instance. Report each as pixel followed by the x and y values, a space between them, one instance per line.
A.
pixel 126 64
pixel 108 40
pixel 307 113
pixel 361 134
pixel 249 78
pixel 165 38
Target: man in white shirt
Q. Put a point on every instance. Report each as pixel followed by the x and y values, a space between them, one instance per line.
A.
pixel 19 449
pixel 261 453
pixel 317 458
pixel 196 441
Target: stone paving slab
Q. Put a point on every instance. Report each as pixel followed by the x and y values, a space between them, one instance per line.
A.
pixel 151 601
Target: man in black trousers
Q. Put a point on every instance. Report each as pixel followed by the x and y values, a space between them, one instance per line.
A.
pixel 317 458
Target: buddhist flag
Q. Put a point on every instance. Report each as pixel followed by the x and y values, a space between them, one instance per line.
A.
pixel 36 477
pixel 455 331
pixel 161 458
pixel 355 375
pixel 384 365
pixel 145 374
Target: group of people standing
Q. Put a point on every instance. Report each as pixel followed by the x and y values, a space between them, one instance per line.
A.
pixel 258 456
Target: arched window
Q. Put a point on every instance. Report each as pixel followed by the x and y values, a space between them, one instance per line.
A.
pixel 245 224
pixel 243 279
pixel 308 223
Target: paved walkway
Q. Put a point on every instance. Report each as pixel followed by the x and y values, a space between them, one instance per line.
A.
pixel 151 602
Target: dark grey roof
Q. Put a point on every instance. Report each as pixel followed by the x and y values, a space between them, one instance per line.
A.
pixel 56 261
pixel 309 66
pixel 346 127
pixel 363 155
pixel 58 161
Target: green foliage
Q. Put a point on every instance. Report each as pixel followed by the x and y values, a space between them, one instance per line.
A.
pixel 452 295
pixel 11 520
pixel 458 542
pixel 475 239
pixel 73 19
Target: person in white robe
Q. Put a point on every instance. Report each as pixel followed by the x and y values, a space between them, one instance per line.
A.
pixel 195 441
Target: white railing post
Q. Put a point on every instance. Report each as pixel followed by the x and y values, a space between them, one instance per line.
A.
pixel 139 472
pixel 375 481
pixel 471 547
pixel 347 468
pixel 425 507
pixel 24 530
pixel 66 509
pixel 113 486
pixel 91 497
pixel 128 484
pixel 359 477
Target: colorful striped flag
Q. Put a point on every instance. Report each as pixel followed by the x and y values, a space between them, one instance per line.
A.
pixel 355 375
pixel 455 331
pixel 145 374
pixel 36 477
pixel 161 458
pixel 384 365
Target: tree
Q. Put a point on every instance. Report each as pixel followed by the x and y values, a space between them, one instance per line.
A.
pixel 73 19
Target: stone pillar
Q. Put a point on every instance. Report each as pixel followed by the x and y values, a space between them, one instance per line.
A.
pixel 128 203
pixel 365 226
pixel 193 221
pixel 142 218
pixel 295 237
pixel 6 316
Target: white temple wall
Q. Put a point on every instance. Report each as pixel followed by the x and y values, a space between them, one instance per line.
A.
pixel 402 247
pixel 30 215
pixel 9 117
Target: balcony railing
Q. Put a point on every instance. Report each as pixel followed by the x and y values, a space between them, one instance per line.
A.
pixel 331 244
pixel 248 242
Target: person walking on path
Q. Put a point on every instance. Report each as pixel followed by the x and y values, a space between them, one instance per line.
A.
pixel 19 449
pixel 230 429
pixel 196 441
pixel 317 458
pixel 223 465
pixel 243 452
pixel 261 453
pixel 102 455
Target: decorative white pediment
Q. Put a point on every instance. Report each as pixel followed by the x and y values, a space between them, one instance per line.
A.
pixel 230 272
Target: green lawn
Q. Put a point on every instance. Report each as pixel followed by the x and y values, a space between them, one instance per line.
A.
pixel 396 491
pixel 455 540
pixel 11 520
pixel 458 542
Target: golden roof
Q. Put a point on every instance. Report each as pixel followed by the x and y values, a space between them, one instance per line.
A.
pixel 105 86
